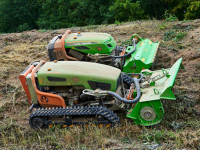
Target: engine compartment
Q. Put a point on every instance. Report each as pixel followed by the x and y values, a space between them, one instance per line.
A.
pixel 73 96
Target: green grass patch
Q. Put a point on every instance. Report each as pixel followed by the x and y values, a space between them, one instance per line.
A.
pixel 172 35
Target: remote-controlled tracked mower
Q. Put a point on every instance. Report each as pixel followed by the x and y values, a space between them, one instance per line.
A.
pixel 101 48
pixel 72 93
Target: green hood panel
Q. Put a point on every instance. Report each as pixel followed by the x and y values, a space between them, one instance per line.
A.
pixel 70 73
pixel 87 37
pixel 90 42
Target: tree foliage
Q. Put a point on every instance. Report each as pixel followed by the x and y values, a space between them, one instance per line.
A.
pixel 20 15
pixel 153 8
pixel 125 10
pixel 193 11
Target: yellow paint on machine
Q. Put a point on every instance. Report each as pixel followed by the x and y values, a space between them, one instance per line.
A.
pixel 155 54
pixel 40 81
pixel 101 125
pixel 141 44
pixel 150 42
pixel 64 126
pixel 50 126
pixel 108 125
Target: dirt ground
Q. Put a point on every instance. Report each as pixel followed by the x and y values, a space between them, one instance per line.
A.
pixel 18 50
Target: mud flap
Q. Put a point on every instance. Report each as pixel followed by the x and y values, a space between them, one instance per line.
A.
pixel 149 110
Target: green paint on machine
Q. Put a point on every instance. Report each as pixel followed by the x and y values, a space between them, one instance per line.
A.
pixel 149 110
pixel 147 113
pixel 143 57
pixel 90 42
pixel 106 87
pixel 70 73
pixel 102 48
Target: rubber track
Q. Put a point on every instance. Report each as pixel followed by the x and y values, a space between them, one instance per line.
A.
pixel 76 111
pixel 127 79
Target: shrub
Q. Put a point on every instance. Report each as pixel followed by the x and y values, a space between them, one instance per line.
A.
pixel 124 10
pixel 24 27
pixel 193 11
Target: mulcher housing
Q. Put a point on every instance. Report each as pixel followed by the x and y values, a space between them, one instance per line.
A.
pixel 77 92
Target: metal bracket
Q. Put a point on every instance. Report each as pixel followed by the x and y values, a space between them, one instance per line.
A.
pixel 96 93
pixel 156 91
pixel 165 72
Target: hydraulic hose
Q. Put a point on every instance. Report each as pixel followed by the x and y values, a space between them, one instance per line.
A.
pixel 141 75
pixel 136 81
pixel 111 56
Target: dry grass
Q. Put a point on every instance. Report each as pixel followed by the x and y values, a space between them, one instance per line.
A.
pixel 179 128
pixel 126 136
pixel 76 138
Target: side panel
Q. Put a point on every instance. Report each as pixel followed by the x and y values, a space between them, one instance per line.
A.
pixel 46 99
pixel 22 78
pixel 152 108
pixel 91 42
pixel 71 73
pixel 31 89
pixel 59 50
pixel 59 47
pixel 166 93
pixel 92 48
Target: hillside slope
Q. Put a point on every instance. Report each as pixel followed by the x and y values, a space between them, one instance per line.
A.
pixel 179 127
